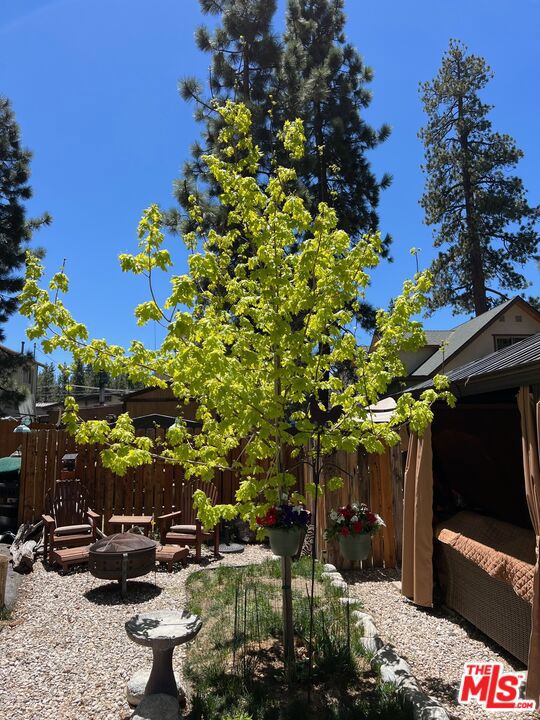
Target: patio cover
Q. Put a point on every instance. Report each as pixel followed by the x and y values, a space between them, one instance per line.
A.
pixel 417 568
pixel 530 431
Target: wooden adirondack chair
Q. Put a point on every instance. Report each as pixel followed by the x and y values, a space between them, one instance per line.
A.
pixel 190 531
pixel 69 522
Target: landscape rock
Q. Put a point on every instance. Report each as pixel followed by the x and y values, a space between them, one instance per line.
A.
pixel 328 576
pixel 339 585
pixel 137 684
pixel 157 707
pixel 349 601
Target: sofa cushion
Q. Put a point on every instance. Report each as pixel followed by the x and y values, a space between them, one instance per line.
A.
pixel 502 550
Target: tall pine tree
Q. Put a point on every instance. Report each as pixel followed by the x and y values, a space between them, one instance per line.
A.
pixel 78 376
pixel 15 233
pixel 311 73
pixel 46 384
pixel 245 56
pixel 480 211
pixel 323 80
pixel 62 382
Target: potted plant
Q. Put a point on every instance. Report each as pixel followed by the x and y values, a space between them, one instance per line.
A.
pixel 353 525
pixel 285 526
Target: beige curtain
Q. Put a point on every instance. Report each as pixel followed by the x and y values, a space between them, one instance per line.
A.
pixel 417 568
pixel 530 437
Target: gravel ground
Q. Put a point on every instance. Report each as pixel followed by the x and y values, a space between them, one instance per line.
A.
pixel 435 643
pixel 68 657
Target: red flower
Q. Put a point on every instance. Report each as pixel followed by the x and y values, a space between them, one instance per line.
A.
pixel 357 527
pixel 260 520
pixel 344 531
pixel 371 518
pixel 271 516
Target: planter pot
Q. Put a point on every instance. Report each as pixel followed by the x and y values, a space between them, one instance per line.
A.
pixel 355 547
pixel 285 541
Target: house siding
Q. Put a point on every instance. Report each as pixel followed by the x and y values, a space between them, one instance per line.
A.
pixel 484 344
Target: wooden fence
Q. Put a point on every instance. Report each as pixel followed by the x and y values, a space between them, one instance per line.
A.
pixel 11 441
pixel 375 480
pixel 150 489
pixel 155 488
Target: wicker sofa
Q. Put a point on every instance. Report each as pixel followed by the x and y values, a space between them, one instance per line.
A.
pixel 485 570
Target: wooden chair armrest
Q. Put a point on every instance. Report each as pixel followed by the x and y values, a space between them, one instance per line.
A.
pixel 164 523
pixel 92 514
pixel 169 516
pixel 48 520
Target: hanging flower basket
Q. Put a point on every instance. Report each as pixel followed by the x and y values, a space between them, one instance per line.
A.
pixel 285 526
pixel 355 547
pixel 353 525
pixel 285 541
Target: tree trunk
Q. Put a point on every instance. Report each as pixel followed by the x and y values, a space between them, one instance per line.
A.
pixel 478 278
pixel 23 557
pixel 322 172
pixel 288 632
pixel 245 76
pixel 23 550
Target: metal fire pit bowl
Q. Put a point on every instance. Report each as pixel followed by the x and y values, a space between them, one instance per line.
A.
pixel 122 556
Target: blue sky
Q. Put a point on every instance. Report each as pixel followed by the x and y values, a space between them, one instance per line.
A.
pixel 94 88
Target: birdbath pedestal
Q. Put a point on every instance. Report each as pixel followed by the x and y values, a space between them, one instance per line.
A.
pixel 163 630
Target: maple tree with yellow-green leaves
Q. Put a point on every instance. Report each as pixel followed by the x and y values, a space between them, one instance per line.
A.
pixel 254 333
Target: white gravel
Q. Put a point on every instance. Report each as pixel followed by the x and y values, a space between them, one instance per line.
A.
pixel 435 643
pixel 69 658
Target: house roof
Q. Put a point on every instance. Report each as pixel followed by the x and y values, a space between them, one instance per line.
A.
pixel 465 333
pixel 27 355
pixel 515 365
pixel 165 421
pixel 436 337
pixel 145 391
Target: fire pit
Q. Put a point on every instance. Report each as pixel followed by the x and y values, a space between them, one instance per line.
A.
pixel 122 556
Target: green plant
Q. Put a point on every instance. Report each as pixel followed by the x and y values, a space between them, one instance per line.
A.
pixel 234 666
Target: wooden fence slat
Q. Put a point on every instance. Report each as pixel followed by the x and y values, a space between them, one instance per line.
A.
pixel 388 541
pixel 375 505
pixel 396 464
pixel 26 459
pixel 158 507
pixel 148 472
pixel 178 484
pixel 168 481
pixel 138 494
pixel 109 480
pixel 28 504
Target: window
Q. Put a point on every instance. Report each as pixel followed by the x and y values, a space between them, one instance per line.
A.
pixel 502 341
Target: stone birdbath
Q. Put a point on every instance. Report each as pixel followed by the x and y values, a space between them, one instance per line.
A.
pixel 163 630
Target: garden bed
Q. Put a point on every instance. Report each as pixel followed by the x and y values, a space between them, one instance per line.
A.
pixel 235 667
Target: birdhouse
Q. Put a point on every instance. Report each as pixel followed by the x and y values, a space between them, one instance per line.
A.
pixel 68 469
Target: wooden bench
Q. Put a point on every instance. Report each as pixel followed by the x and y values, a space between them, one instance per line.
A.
pixel 70 556
pixel 169 554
